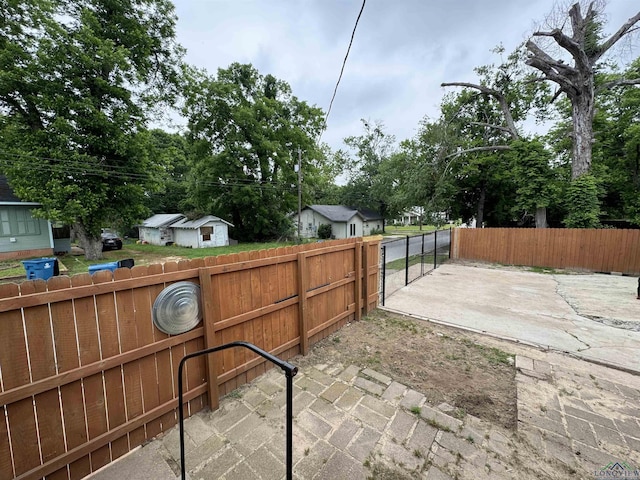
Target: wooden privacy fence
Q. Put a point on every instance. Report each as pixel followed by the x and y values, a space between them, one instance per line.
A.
pixel 85 376
pixel 601 250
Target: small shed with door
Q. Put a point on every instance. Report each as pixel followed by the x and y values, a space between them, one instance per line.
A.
pixel 156 230
pixel 207 231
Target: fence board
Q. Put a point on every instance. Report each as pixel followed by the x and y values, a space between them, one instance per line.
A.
pixel 604 250
pixel 103 371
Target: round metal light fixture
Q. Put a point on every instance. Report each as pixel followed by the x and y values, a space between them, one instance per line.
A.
pixel 177 308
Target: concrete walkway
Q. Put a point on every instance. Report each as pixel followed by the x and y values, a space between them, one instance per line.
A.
pixel 567 313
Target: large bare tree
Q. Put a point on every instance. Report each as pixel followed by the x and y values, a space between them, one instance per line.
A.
pixel 582 41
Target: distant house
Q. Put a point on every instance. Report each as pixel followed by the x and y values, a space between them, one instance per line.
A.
pixel 156 230
pixel 207 231
pixel 345 221
pixel 21 235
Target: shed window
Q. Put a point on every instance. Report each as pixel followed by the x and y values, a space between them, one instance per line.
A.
pixel 352 229
pixel 206 233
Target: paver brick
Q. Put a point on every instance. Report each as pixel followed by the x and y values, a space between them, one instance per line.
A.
pixel 334 391
pixel 541 366
pixel 629 392
pixel 313 424
pixel 345 432
pixel 349 399
pixel 412 399
pixel 379 406
pixel 341 465
pixel 369 386
pixel 311 463
pixel 440 418
pixel 320 377
pixel 218 466
pixel 371 418
pixel 310 385
pixel 394 393
pixel 628 426
pixel 362 446
pixel 379 377
pixel 401 456
pixel 608 435
pixel 589 417
pixel 524 362
pixel 541 422
pixel 228 415
pixel 328 411
pixel 349 373
pixel 435 473
pixel 423 436
pixel 266 464
pixel 401 426
pixel 580 430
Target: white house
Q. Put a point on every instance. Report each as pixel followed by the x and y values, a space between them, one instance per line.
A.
pixel 207 231
pixel 345 221
pixel 156 230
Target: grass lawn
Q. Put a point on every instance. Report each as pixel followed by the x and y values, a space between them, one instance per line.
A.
pixel 141 254
pixel 412 229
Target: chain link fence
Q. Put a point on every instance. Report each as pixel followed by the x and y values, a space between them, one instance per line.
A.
pixel 404 260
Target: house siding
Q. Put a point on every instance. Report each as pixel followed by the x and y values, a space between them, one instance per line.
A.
pixel 20 232
pixel 311 220
pixel 156 235
pixel 190 237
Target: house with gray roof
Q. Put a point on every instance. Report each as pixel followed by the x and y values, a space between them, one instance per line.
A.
pixel 21 234
pixel 345 221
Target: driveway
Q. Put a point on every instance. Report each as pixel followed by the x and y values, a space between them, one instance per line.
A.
pixel 595 317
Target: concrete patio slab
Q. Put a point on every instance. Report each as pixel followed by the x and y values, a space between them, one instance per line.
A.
pixel 532 308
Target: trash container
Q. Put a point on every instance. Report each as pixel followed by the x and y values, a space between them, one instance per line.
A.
pixel 126 263
pixel 43 268
pixel 103 266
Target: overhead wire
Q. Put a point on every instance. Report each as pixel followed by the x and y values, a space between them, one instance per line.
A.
pixel 344 62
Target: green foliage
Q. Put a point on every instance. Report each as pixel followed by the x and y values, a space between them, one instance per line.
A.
pixel 245 130
pixel 324 231
pixel 77 83
pixel 583 206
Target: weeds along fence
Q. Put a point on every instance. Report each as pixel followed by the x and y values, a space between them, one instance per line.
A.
pixel 404 260
pixel 85 376
pixel 601 250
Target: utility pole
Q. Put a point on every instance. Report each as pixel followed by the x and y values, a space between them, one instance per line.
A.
pixel 299 192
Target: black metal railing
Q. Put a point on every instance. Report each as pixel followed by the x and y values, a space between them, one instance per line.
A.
pixel 404 260
pixel 289 370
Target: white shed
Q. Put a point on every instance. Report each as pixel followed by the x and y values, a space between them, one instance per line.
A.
pixel 345 221
pixel 156 230
pixel 207 231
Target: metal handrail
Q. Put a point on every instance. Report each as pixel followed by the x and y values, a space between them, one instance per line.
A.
pixel 290 372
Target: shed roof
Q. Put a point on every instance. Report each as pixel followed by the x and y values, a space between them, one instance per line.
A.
pixel 198 222
pixel 335 213
pixel 162 220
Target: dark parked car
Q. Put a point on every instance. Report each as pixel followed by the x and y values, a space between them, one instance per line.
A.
pixel 111 241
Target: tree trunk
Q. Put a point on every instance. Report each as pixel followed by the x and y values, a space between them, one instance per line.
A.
pixel 92 246
pixel 541 217
pixel 481 200
pixel 583 109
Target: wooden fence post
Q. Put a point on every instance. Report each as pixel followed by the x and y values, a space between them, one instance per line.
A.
pixel 210 315
pixel 365 263
pixel 302 304
pixel 357 247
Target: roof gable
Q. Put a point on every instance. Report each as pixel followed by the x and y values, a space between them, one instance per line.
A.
pixel 335 213
pixel 162 220
pixel 7 195
pixel 198 222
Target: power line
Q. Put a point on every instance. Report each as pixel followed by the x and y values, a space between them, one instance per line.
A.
pixel 344 62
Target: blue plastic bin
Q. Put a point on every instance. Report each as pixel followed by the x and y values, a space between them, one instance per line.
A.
pixel 103 266
pixel 43 268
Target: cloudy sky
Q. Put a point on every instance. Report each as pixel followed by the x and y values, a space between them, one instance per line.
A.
pixel 403 49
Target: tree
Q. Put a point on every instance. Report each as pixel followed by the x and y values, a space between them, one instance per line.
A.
pixel 586 48
pixel 492 110
pixel 246 131
pixel 170 153
pixel 369 185
pixel 78 79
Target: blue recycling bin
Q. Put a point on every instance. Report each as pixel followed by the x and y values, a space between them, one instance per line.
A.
pixel 43 268
pixel 103 266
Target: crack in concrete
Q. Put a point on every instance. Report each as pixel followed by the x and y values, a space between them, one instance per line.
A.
pixel 578 339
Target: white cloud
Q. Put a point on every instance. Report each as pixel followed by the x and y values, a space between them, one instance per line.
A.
pixel 402 51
